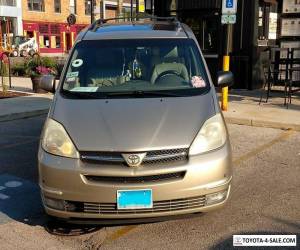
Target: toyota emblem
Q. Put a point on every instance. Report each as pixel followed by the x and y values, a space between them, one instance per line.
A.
pixel 134 160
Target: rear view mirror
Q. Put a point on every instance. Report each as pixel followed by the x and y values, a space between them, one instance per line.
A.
pixel 225 79
pixel 48 83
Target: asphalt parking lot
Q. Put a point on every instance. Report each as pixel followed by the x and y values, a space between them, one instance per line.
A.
pixel 265 198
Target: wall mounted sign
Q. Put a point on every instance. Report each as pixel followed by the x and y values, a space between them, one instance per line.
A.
pixel 290 27
pixel 291 6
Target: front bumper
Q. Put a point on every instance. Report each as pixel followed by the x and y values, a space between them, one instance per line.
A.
pixel 64 179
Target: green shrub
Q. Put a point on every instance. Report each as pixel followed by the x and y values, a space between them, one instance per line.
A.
pixel 48 62
pixel 37 65
pixel 18 69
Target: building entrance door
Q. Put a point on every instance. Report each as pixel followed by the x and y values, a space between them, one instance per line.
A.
pixel 68 42
pixel 207 30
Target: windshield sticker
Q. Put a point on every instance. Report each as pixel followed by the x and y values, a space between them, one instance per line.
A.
pixel 85 89
pixel 77 63
pixel 198 82
pixel 71 79
pixel 72 74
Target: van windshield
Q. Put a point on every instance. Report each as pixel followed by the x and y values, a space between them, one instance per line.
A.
pixel 149 67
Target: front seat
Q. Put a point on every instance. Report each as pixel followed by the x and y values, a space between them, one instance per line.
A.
pixel 179 68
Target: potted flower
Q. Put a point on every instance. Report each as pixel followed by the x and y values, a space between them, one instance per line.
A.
pixel 37 67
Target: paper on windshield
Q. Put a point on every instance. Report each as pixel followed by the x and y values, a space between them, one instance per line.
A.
pixel 84 89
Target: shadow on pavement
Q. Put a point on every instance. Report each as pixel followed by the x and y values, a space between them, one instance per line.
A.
pixel 20 201
pixel 61 228
pixel 276 98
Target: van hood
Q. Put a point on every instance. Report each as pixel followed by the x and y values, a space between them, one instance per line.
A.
pixel 134 124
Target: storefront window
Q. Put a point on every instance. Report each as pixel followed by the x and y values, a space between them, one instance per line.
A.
pixel 46 42
pixel 57 42
pixel 57 6
pixel 36 5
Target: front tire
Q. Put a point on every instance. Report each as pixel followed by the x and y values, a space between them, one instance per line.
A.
pixel 31 52
pixel 23 53
pixel 15 53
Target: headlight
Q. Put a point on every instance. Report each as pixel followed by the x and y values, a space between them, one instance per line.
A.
pixel 56 140
pixel 211 136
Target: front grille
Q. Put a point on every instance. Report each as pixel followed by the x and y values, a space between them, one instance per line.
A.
pixel 158 206
pixel 152 157
pixel 166 156
pixel 137 179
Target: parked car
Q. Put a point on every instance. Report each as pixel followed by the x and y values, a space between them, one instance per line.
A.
pixel 134 131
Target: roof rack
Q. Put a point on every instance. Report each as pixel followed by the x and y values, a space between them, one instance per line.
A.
pixel 135 18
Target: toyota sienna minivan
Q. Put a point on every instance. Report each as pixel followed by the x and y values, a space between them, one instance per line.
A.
pixel 134 131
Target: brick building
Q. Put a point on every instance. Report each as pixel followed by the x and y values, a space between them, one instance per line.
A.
pixel 46 20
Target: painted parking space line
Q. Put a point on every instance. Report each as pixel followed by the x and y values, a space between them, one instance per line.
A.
pixel 263 147
pixel 119 233
pixel 19 199
pixel 126 229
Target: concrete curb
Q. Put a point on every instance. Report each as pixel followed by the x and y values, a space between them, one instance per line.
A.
pixel 262 123
pixel 23 115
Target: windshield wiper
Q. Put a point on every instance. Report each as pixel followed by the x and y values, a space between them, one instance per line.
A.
pixel 141 93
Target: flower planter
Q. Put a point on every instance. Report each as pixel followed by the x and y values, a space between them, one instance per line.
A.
pixel 36 84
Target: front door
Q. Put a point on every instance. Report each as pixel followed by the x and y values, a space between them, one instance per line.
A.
pixel 68 42
pixel 207 29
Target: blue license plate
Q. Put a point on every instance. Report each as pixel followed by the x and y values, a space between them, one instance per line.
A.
pixel 134 199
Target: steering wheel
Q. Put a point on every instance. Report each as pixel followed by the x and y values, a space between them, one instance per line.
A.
pixel 166 73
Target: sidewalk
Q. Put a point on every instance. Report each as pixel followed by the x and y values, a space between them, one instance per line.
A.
pixel 243 109
pixel 24 107
pixel 21 84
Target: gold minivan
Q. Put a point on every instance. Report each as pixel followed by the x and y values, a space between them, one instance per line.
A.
pixel 134 130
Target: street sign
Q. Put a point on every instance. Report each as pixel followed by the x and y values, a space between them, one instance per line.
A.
pixel 229 7
pixel 228 19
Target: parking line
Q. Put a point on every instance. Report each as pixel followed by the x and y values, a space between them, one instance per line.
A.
pixel 263 147
pixel 119 233
pixel 126 229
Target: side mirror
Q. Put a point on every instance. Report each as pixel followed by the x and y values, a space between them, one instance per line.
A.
pixel 48 83
pixel 225 79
